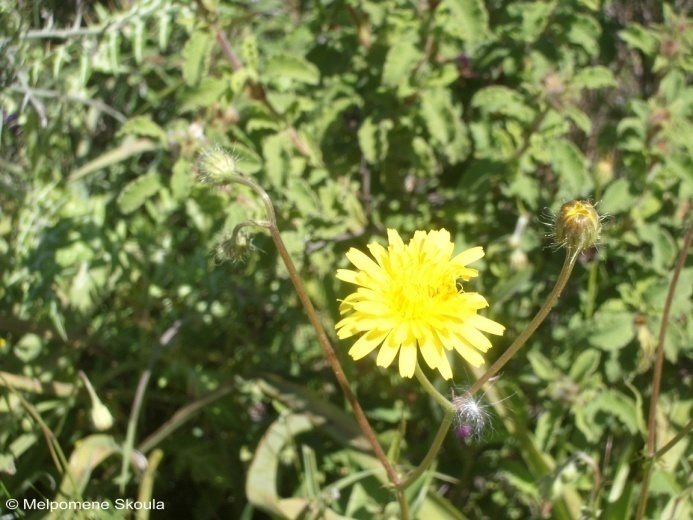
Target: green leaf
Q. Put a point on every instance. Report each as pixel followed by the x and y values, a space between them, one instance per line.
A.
pixel 443 121
pixel 136 192
pixel 640 38
pixel 617 197
pixel 89 452
pixel 585 365
pixel 534 15
pixel 584 31
pixel 616 404
pixel 206 93
pixel 247 161
pixel 400 62
pixel 196 54
pixel 28 348
pixel 569 163
pixel 581 120
pixel 612 330
pixel 504 101
pixel 304 198
pixel 373 139
pixel 182 179
pixel 471 18
pixel 542 366
pixel 275 151
pixel 287 66
pixel 144 126
pixel 126 150
pixel 594 78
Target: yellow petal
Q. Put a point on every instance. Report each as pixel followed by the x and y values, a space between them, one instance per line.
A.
pixel 482 323
pixel 363 262
pixel 407 360
pixel 429 347
pixel 468 256
pixel 373 307
pixel 387 354
pixel 476 338
pixel 444 366
pixel 469 354
pixel 366 343
pixel 347 275
pixel 394 239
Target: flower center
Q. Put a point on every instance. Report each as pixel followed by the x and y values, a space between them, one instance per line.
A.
pixel 420 288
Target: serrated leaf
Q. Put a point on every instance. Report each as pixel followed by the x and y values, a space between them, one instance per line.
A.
pixel 286 66
pixel 400 62
pixel 250 52
pixel 612 330
pixel 581 120
pixel 373 139
pixel 640 38
pixel 542 366
pixel 616 404
pixel 443 120
pixel 247 160
pixel 585 365
pixel 136 192
pixel 584 31
pixel 196 53
pixel 209 91
pixel 570 164
pixel 144 126
pixel 304 198
pixel 181 179
pixel 534 15
pixel 594 78
pixel 504 101
pixel 471 17
pixel 275 151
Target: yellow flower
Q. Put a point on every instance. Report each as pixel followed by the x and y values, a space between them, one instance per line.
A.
pixel 410 297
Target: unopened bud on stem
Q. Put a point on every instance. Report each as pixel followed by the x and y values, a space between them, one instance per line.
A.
pixel 217 167
pixel 577 226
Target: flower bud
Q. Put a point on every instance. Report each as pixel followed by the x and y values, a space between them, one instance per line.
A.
pixel 577 225
pixel 101 418
pixel 217 167
pixel 236 247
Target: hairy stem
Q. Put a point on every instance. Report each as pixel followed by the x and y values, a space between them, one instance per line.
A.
pixel 657 377
pixel 271 225
pixel 566 270
pixel 449 410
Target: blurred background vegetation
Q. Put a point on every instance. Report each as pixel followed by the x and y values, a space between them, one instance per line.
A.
pixel 478 116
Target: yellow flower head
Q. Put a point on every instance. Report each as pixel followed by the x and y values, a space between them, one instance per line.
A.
pixel 410 297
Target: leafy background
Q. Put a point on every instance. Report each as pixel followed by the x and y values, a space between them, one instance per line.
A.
pixel 480 117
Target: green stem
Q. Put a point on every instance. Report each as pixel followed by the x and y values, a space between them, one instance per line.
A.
pixel 591 290
pixel 448 407
pixel 361 418
pixel 657 378
pixel 449 410
pixel 686 429
pixel 568 264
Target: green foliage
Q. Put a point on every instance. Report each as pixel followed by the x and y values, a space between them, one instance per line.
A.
pixel 355 117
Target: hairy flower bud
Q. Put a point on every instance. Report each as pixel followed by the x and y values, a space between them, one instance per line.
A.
pixel 577 225
pixel 217 166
